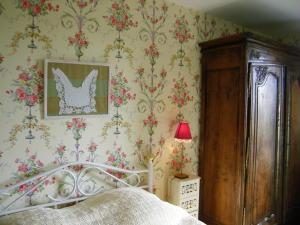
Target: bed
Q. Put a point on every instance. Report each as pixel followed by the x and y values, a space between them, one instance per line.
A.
pixel 124 200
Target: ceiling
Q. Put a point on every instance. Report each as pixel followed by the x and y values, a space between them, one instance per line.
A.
pixel 274 17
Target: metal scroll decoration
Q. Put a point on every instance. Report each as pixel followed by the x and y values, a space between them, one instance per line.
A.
pixel 82 184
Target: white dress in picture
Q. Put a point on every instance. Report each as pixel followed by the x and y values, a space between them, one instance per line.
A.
pixel 75 99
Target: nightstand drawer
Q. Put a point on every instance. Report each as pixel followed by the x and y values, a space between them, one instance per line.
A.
pixel 189 204
pixel 194 213
pixel 189 188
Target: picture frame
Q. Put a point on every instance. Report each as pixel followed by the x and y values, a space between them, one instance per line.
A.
pixel 75 89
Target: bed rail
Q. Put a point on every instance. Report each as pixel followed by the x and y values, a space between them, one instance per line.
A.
pixel 78 178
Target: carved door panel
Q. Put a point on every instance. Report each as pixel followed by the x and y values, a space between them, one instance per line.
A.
pixel 263 203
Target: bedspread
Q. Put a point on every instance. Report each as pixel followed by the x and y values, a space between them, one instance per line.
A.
pixel 124 206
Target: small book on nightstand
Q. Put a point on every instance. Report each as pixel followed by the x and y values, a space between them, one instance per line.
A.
pixel 185 193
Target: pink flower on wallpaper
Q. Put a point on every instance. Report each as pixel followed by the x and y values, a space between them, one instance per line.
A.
pixel 23 168
pixel 27 168
pixel 79 40
pixel 22 188
pixel 23 76
pixel 180 93
pixel 120 90
pixel 60 152
pixel 76 125
pixel 79 13
pixel 139 143
pixel 69 125
pixel 117 158
pixel 35 8
pixel 152 51
pixel 142 2
pixel 111 158
pixel 176 165
pixel 162 141
pixel 32 99
pixel 178 158
pixel 140 71
pixel 82 4
pixel 93 147
pixel 39 163
pixel 21 94
pixel 61 149
pixel 120 17
pixel 1 58
pixel 151 120
pixel 163 73
pixel 181 31
pixel 29 86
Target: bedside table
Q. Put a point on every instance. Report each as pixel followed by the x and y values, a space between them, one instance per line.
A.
pixel 185 193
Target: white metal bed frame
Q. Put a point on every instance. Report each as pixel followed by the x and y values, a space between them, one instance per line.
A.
pixel 77 179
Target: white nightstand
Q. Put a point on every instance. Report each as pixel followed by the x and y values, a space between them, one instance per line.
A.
pixel 185 193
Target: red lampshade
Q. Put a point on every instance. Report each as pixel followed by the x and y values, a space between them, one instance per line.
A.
pixel 183 132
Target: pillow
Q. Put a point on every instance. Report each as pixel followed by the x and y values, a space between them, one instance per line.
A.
pixel 123 206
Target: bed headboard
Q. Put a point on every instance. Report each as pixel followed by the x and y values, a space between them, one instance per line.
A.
pixel 78 175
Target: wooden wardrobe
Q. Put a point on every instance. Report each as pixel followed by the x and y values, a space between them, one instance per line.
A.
pixel 250 132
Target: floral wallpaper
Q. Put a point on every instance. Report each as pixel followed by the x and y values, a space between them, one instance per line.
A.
pixel 152 48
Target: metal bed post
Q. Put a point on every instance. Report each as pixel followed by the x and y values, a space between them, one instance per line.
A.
pixel 150 176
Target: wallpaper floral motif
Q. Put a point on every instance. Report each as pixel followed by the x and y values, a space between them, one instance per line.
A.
pixel 79 13
pixel 182 33
pixel 152 49
pixel 120 19
pixel 152 80
pixel 33 9
pixel 28 90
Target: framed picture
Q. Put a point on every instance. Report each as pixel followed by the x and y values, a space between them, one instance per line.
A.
pixel 76 88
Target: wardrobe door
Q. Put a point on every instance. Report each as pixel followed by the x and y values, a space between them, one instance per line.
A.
pixel 222 141
pixel 292 155
pixel 266 145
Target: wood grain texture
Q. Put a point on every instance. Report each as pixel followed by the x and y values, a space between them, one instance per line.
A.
pixel 266 149
pixel 292 155
pixel 223 135
pixel 250 128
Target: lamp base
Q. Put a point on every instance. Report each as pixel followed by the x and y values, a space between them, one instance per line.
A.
pixel 181 175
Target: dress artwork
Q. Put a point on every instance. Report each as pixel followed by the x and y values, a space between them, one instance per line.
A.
pixel 75 100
